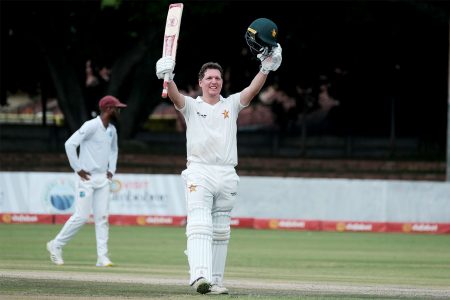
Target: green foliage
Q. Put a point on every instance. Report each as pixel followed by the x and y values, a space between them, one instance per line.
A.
pixel 111 3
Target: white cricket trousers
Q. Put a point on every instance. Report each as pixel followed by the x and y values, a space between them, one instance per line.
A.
pixel 91 194
pixel 211 192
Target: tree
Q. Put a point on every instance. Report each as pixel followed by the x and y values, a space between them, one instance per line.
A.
pixel 55 39
pixel 63 36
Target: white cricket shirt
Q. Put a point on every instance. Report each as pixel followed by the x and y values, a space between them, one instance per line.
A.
pixel 211 130
pixel 98 148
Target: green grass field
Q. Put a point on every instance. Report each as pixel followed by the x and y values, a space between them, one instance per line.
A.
pixel 150 264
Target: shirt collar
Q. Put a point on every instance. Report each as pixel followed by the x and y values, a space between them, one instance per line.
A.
pixel 200 99
pixel 101 123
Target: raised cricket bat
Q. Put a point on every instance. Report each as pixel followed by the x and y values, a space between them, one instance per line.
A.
pixel 171 37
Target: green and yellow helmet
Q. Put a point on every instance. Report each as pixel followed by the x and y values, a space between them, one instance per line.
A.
pixel 261 36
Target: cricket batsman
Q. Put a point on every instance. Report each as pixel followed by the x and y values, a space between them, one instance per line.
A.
pixel 210 179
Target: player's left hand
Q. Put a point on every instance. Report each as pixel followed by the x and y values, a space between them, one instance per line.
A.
pixel 271 62
pixel 109 175
pixel 165 65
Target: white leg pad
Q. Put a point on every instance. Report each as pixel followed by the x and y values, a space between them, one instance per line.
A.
pixel 221 237
pixel 199 240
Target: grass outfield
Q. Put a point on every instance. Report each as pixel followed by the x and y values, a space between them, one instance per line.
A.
pixel 262 264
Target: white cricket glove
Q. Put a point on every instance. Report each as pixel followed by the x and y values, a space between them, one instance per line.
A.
pixel 165 65
pixel 271 62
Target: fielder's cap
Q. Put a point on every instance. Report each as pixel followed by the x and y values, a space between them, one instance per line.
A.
pixel 110 101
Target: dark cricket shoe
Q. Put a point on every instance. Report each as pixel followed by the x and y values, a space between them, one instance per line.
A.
pixel 201 285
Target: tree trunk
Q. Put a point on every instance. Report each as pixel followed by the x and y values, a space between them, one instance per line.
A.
pixel 68 89
pixel 133 75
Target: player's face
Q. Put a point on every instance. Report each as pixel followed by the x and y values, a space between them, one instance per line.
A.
pixel 211 83
pixel 114 112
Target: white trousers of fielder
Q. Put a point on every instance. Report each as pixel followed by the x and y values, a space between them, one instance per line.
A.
pixel 211 192
pixel 91 194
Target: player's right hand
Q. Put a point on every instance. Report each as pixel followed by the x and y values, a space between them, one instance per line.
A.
pixel 84 175
pixel 165 65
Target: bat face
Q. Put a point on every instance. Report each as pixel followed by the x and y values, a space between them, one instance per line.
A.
pixel 172 29
pixel 171 33
pixel 172 21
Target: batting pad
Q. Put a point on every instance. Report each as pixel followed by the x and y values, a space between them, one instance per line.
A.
pixel 199 242
pixel 199 256
pixel 221 226
pixel 221 236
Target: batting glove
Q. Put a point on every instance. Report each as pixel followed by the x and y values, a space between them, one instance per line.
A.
pixel 165 65
pixel 271 62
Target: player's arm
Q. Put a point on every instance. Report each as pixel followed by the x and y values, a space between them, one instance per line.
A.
pixel 253 89
pixel 174 94
pixel 167 65
pixel 112 160
pixel 71 146
pixel 268 63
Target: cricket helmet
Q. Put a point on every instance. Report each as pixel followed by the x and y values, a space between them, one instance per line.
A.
pixel 261 36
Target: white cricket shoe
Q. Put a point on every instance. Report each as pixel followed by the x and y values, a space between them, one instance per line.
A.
pixel 103 261
pixel 218 290
pixel 201 285
pixel 55 253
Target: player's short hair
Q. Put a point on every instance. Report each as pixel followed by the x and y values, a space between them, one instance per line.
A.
pixel 209 65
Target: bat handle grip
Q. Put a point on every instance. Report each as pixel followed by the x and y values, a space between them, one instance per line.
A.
pixel 165 83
